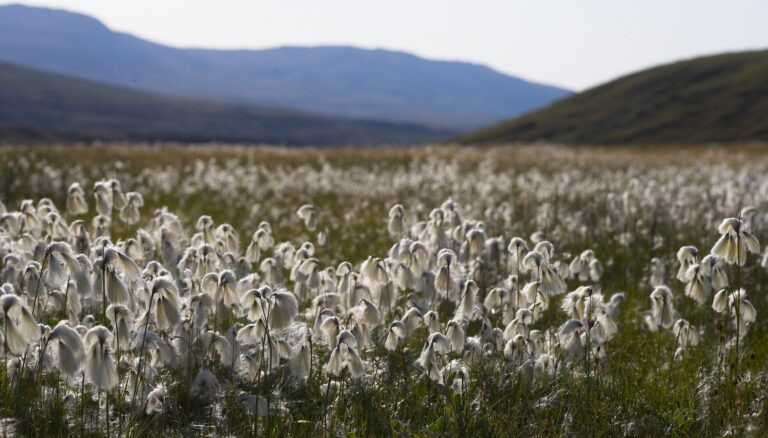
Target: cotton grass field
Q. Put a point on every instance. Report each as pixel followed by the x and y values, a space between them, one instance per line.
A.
pixel 439 291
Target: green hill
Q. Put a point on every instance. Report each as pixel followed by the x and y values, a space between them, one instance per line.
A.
pixel 41 107
pixel 715 99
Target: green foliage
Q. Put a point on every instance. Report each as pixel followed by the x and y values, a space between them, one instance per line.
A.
pixel 718 99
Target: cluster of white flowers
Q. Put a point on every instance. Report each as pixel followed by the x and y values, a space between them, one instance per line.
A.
pixel 504 280
pixel 702 276
pixel 127 311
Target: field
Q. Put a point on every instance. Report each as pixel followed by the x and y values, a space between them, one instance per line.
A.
pixel 438 291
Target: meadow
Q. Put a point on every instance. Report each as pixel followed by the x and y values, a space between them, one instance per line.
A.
pixel 437 291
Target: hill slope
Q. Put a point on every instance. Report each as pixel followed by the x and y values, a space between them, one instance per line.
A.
pixel 720 98
pixel 371 84
pixel 40 106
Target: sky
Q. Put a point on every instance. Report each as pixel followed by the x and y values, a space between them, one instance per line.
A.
pixel 570 43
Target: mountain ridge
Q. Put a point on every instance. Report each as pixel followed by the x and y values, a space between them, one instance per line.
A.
pixel 38 106
pixel 334 80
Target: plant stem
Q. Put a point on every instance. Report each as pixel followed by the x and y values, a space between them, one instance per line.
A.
pixel 141 350
pixel 119 400
pixel 39 279
pixel 104 282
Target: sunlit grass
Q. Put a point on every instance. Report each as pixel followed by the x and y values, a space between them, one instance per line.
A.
pixel 636 390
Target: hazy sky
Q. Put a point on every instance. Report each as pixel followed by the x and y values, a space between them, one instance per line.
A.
pixel 572 43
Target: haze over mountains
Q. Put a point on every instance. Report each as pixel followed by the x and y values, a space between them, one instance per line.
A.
pixel 339 81
pixel 714 99
pixel 37 106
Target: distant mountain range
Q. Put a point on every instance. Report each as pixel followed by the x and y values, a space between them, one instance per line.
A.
pixel 38 106
pixel 337 81
pixel 715 99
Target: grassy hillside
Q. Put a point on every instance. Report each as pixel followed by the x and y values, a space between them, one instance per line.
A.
pixel 720 99
pixel 37 107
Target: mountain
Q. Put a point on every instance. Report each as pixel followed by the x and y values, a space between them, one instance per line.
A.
pixel 718 99
pixel 345 81
pixel 38 106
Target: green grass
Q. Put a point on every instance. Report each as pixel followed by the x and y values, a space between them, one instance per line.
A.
pixel 637 390
pixel 716 99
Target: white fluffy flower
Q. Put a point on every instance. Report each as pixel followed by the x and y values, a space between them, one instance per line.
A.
pixel 100 368
pixel 19 325
pixel 155 400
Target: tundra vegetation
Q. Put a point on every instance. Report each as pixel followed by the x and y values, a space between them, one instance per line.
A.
pixel 531 291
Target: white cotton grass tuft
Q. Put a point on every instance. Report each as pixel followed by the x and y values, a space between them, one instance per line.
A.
pixel 308 214
pixel 657 272
pixel 68 347
pixel 412 319
pixel 739 302
pixel 167 308
pixel 223 287
pixel 282 310
pixel 468 300
pixel 155 400
pixel 476 242
pixel 455 334
pixel 495 298
pixel 60 262
pixel 355 364
pixel 345 356
pixel 715 268
pixel 533 260
pixel 686 256
pixel 155 346
pixel 129 213
pixel 570 339
pixel 205 226
pixel 374 271
pixel 100 368
pixel 299 363
pixel 253 302
pixel 735 242
pixel 362 335
pixel 445 284
pixel 251 334
pixel 76 203
pixel 436 343
pixel 725 302
pixel 516 349
pixel 19 325
pixel 698 286
pixel 662 309
pixel 720 302
pixel 432 321
pixel 123 264
pixel 395 225
pixel 102 193
pixel 685 333
pixel 366 313
pixel 579 266
pixel 120 318
pixel 395 335
pixel 202 306
pixel 330 327
pixel 212 342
